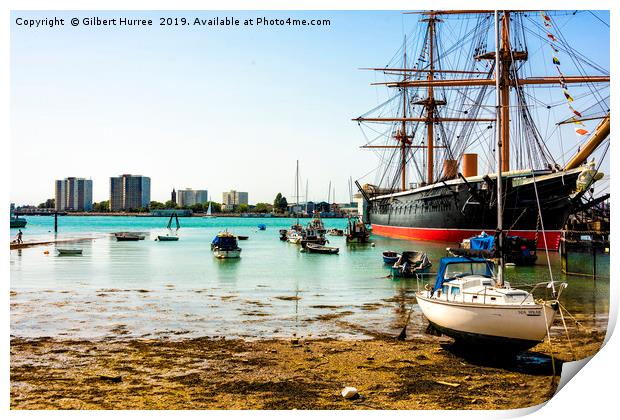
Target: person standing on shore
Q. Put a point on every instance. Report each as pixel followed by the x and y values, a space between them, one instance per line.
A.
pixel 19 237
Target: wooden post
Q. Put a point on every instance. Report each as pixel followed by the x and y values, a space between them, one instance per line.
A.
pixel 55 222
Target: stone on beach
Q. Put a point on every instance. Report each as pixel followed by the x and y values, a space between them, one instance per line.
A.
pixel 349 392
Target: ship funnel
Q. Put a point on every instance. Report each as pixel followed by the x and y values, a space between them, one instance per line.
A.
pixel 470 165
pixel 450 169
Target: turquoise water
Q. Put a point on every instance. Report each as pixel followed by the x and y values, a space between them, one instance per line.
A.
pixel 178 289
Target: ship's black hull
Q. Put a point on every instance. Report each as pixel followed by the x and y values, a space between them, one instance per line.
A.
pixel 455 210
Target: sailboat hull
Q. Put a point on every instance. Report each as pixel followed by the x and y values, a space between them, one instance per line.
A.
pixel 517 326
pixel 454 210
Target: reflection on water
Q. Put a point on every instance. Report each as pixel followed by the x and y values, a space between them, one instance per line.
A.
pixel 178 289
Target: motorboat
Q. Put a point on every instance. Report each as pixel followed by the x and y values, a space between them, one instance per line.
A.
pixel 224 245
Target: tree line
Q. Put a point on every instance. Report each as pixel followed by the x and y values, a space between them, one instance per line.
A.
pixel 280 205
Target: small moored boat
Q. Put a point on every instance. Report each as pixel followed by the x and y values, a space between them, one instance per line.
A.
pixel 336 232
pixel 390 257
pixel 167 238
pixel 411 263
pixel 127 237
pixel 18 222
pixel 69 251
pixel 242 238
pixel 321 249
pixel 224 245
pixel 262 226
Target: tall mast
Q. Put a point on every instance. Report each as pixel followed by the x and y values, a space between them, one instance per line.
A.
pixel 506 61
pixel 499 126
pixel 306 195
pixel 403 133
pixel 430 106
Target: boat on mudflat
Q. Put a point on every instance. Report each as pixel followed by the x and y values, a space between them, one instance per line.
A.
pixel 468 304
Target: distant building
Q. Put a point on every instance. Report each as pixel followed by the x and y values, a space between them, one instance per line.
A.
pixel 173 196
pixel 189 197
pixel 129 192
pixel 323 207
pixel 234 198
pixel 74 194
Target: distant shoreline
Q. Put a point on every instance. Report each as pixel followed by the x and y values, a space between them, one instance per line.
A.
pixel 250 216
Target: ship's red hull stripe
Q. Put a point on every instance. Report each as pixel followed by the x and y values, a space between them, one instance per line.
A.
pixel 457 235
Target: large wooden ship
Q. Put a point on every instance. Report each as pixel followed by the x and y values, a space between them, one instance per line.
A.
pixel 438 113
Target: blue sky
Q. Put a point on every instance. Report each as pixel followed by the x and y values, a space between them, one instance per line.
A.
pixel 205 107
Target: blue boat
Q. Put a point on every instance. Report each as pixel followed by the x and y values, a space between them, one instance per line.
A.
pixel 262 226
pixel 390 257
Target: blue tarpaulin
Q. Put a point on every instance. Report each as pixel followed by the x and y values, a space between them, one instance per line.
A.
pixel 224 241
pixel 483 241
pixel 443 264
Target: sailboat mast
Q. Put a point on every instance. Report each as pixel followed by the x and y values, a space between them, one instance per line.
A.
pixel 499 114
pixel 329 193
pixel 306 196
pixel 297 189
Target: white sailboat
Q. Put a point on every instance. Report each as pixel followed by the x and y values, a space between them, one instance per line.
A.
pixel 209 215
pixel 470 300
pixel 294 235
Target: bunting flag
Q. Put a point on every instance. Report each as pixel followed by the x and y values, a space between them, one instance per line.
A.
pixel 579 130
pixel 577 113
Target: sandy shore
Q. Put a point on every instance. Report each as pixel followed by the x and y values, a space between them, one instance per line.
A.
pixel 282 374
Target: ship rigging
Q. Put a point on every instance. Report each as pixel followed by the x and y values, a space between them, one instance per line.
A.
pixel 443 109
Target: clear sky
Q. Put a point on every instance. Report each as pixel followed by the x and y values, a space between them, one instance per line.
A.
pixel 214 108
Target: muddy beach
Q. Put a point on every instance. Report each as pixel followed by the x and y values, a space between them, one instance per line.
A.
pixel 207 373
